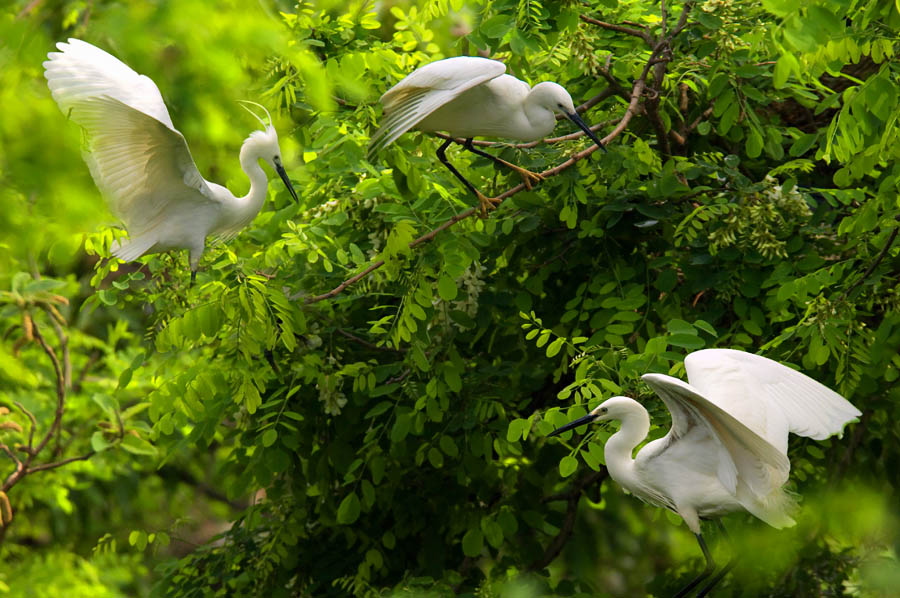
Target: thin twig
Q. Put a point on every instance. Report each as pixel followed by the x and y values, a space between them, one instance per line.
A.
pixel 364 342
pixel 60 392
pixel 613 27
pixel 874 264
pixel 565 532
pixel 46 466
pixel 31 417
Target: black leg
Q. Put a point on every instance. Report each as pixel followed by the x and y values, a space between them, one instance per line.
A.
pixel 728 566
pixel 442 156
pixel 193 277
pixel 486 203
pixel 710 566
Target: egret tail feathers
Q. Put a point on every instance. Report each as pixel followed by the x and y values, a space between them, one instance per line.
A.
pixel 130 250
pixel 775 509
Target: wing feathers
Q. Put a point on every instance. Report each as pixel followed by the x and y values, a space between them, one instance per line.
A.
pixel 425 90
pixel 749 465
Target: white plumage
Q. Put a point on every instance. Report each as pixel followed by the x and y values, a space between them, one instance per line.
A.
pixel 727 448
pixel 141 162
pixel 467 97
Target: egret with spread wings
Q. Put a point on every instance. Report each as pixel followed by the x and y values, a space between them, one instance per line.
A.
pixel 466 97
pixel 141 162
pixel 727 448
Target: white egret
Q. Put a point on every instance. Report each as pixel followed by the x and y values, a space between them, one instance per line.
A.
pixel 727 448
pixel 141 162
pixel 468 96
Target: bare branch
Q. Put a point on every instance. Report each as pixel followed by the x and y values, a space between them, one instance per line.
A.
pixel 31 417
pixel 568 526
pixel 621 29
pixel 46 466
pixel 364 342
pixel 871 268
pixel 60 392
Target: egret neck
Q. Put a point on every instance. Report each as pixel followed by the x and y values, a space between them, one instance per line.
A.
pixel 620 446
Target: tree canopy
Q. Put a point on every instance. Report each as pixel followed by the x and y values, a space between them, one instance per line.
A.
pixel 354 397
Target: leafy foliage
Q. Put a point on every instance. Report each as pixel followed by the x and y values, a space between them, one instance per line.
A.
pixel 353 397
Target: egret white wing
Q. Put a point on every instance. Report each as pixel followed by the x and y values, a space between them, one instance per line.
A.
pixel 425 90
pixel 80 71
pixel 749 466
pixel 770 398
pixel 141 165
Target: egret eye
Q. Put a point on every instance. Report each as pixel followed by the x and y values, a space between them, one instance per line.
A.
pixel 603 410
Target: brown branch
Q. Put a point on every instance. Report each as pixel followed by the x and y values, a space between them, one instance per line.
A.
pixel 565 532
pixel 874 264
pixel 60 392
pixel 31 417
pixel 364 342
pixel 375 265
pixel 859 431
pixel 46 466
pixel 12 456
pixel 613 27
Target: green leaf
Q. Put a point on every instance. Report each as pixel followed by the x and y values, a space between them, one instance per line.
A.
pixel 686 341
pixel 138 446
pixel 473 543
pixel 446 288
pixel 567 466
pixel 436 458
pixel 448 446
pixel 349 509
pixel 269 437
pixel 554 347
pixel 99 442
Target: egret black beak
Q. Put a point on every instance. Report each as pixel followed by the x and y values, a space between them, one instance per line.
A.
pixel 583 126
pixel 287 182
pixel 590 417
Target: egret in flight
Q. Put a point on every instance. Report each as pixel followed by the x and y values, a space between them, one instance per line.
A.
pixel 727 448
pixel 468 96
pixel 141 162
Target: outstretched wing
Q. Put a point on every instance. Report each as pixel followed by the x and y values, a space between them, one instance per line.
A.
pixel 770 398
pixel 425 90
pixel 139 161
pixel 749 467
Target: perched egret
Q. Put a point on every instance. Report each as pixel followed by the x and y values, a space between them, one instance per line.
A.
pixel 727 448
pixel 142 164
pixel 468 96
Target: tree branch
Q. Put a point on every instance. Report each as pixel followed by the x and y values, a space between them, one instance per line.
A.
pixel 31 417
pixel 871 268
pixel 47 466
pixel 621 29
pixel 572 497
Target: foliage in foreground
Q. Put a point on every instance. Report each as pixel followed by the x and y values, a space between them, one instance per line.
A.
pixel 388 439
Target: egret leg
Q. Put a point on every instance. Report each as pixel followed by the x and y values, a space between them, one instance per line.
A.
pixel 528 177
pixel 710 566
pixel 728 566
pixel 193 277
pixel 486 203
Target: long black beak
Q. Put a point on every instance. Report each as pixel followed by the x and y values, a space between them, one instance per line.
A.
pixel 590 417
pixel 583 126
pixel 287 182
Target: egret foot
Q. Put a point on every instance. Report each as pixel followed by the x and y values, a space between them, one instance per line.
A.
pixel 528 177
pixel 487 204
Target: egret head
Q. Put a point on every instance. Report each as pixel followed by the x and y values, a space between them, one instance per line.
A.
pixel 555 98
pixel 264 144
pixel 615 408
